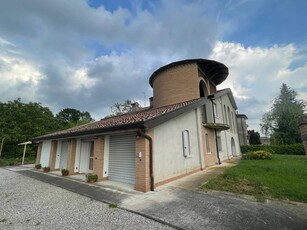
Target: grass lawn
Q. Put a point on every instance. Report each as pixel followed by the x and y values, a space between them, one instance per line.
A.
pixel 284 177
pixel 16 161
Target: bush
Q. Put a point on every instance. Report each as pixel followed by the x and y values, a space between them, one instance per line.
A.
pixel 294 149
pixel 65 172
pixel 46 169
pixel 38 166
pixel 91 177
pixel 257 155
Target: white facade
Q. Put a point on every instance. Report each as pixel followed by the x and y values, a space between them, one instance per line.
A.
pixel 226 114
pixel 169 158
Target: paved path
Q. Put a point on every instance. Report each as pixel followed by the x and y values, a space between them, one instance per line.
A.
pixel 27 204
pixel 215 210
pixel 181 206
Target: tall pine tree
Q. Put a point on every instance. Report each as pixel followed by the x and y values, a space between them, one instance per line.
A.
pixel 281 122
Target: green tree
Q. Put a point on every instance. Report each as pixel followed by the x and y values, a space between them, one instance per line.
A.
pixel 71 117
pixel 281 122
pixel 254 137
pixel 120 108
pixel 19 122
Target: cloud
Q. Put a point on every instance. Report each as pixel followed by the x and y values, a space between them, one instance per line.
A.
pixel 256 75
pixel 67 54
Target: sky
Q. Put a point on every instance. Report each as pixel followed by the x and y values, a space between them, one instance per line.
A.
pixel 90 54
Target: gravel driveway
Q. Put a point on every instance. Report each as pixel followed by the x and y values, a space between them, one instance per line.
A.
pixel 26 203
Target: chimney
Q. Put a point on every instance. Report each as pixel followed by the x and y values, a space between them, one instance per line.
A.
pixel 151 102
pixel 135 107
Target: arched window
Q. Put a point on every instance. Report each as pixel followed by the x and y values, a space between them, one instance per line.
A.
pixel 203 92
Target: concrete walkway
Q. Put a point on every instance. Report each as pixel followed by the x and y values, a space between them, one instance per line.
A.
pixel 180 205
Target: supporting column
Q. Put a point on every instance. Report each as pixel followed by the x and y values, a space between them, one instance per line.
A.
pixel 39 153
pixel 210 156
pixel 98 157
pixel 52 154
pixel 142 173
pixel 71 154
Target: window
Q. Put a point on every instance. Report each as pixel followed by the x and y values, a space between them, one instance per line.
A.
pixel 186 143
pixel 204 114
pixel 226 122
pixel 207 143
pixel 229 119
pixel 215 110
pixel 219 141
pixel 234 122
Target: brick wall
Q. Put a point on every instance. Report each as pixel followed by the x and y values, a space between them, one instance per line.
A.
pixel 52 156
pixel 178 84
pixel 39 153
pixel 98 157
pixel 175 85
pixel 142 174
pixel 71 154
pixel 210 158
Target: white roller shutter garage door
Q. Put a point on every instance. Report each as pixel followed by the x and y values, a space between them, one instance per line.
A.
pixel 122 158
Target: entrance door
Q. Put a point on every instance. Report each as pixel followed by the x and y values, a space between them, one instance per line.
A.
pixel 64 153
pixel 122 158
pixel 86 156
pixel 45 153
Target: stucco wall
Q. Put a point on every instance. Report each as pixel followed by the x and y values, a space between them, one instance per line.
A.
pixel 169 160
pixel 227 135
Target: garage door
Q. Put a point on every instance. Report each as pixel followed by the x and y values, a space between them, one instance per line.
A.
pixel 45 153
pixel 122 158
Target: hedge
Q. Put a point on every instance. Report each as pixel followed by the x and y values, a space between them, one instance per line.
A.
pixel 294 149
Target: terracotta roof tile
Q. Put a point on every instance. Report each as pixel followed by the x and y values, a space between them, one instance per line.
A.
pixel 124 119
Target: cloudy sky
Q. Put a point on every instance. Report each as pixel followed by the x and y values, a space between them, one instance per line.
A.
pixel 90 54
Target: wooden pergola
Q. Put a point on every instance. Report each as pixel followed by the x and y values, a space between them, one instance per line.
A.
pixel 24 150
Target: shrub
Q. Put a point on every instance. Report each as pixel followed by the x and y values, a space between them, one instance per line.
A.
pixel 38 166
pixel 294 149
pixel 257 155
pixel 65 172
pixel 91 177
pixel 46 169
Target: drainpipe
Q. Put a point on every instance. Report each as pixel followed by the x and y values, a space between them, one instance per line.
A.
pixel 152 183
pixel 215 133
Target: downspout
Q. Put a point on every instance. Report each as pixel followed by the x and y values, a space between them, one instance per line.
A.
pixel 216 143
pixel 152 183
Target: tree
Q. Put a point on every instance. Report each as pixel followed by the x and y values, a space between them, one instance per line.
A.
pixel 71 117
pixel 120 108
pixel 20 122
pixel 254 137
pixel 282 121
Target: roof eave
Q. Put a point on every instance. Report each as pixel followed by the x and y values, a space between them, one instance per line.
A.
pixel 90 132
pixel 151 123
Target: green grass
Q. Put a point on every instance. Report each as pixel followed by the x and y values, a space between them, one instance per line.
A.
pixel 113 205
pixel 16 161
pixel 284 177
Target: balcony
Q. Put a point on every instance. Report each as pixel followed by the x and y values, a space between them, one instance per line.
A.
pixel 217 126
